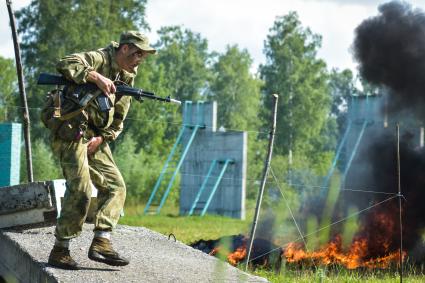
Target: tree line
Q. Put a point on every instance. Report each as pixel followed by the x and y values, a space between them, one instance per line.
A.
pixel 310 112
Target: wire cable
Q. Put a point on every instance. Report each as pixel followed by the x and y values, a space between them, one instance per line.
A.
pixel 332 224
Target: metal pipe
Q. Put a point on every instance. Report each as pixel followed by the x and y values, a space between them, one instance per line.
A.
pixel 263 181
pixel 399 201
pixel 164 170
pixel 220 176
pixel 19 71
pixel 203 186
pixel 336 158
pixel 183 156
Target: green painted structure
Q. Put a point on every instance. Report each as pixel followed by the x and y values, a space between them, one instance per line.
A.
pixel 10 153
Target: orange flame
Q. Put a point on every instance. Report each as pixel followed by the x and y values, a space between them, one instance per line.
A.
pixel 373 247
pixel 237 256
pixel 214 251
pixel 332 253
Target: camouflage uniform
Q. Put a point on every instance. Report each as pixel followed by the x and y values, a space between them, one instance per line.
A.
pixel 99 168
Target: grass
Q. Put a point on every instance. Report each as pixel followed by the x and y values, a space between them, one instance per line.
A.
pixel 341 275
pixel 190 229
pixel 185 229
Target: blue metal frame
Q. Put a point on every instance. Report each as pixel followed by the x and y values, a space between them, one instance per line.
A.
pixel 342 143
pixel 207 204
pixel 336 158
pixel 356 146
pixel 353 153
pixel 188 122
pixel 203 186
pixel 170 183
pixel 163 171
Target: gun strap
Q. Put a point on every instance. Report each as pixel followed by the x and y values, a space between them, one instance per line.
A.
pixel 74 113
pixel 57 104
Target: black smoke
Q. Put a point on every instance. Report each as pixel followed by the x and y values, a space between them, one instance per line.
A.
pixel 381 157
pixel 390 50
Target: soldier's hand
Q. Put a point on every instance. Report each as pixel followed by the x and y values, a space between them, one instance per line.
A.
pixel 102 82
pixel 93 144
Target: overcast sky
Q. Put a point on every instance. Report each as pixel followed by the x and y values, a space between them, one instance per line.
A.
pixel 247 22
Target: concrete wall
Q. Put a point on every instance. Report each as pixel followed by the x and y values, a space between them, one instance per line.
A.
pixel 202 113
pixel 10 152
pixel 229 199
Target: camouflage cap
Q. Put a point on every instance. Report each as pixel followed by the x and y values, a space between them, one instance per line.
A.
pixel 138 39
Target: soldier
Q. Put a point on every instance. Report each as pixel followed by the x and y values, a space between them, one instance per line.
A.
pixel 81 143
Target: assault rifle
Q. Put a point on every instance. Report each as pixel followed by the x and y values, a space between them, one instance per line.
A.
pixel 121 89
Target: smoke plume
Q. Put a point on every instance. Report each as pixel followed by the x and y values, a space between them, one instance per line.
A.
pixel 390 50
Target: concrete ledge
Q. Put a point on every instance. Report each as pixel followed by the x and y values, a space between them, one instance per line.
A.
pixel 27 204
pixel 26 196
pixel 153 257
pixel 17 264
pixel 36 202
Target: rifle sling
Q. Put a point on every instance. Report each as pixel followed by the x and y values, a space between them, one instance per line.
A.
pixel 74 113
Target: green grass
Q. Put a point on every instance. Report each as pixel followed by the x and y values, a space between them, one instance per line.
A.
pixel 186 229
pixel 190 229
pixel 341 276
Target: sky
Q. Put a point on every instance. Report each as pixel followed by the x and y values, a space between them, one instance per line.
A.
pixel 247 23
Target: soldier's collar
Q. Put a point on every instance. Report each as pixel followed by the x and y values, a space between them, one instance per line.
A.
pixel 115 69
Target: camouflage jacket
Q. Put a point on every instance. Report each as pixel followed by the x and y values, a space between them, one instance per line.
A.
pixel 76 67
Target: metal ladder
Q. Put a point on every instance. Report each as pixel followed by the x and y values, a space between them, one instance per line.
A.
pixel 171 166
pixel 197 202
pixel 341 146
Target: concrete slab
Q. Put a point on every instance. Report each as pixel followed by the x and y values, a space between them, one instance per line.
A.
pixel 154 258
pixel 26 204
pixel 36 202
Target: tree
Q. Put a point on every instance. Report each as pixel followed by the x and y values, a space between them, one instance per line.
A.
pixel 293 71
pixel 153 124
pixel 236 90
pixel 180 69
pixel 342 87
pixel 8 90
pixel 237 93
pixel 46 167
pixel 51 29
pixel 185 59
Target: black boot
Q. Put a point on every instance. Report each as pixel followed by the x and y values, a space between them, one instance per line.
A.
pixel 59 257
pixel 101 250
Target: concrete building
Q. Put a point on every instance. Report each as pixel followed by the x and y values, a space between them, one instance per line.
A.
pixel 10 153
pixel 215 162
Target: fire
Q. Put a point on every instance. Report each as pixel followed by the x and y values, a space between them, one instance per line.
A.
pixel 237 256
pixel 214 251
pixel 234 257
pixel 375 245
pixel 332 253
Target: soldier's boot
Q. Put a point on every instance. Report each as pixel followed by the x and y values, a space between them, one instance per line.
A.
pixel 60 257
pixel 101 250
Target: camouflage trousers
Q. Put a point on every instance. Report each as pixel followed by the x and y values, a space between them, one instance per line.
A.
pixel 80 171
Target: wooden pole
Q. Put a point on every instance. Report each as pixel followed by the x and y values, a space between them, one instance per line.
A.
pixel 19 71
pixel 263 182
pixel 399 201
